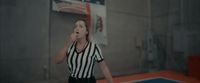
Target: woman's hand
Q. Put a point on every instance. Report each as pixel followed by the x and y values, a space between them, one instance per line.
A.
pixel 61 54
pixel 72 38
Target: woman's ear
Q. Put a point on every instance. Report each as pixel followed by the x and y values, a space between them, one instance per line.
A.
pixel 87 32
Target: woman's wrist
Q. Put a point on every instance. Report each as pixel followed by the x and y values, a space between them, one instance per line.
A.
pixel 68 42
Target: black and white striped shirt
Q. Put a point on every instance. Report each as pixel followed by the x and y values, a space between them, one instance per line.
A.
pixel 81 64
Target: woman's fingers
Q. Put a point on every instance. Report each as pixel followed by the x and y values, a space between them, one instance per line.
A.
pixel 73 37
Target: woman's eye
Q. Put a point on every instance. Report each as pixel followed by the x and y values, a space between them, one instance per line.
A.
pixel 81 26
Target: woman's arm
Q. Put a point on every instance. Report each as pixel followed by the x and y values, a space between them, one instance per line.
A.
pixel 61 54
pixel 106 72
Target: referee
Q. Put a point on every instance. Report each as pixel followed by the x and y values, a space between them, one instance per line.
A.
pixel 81 56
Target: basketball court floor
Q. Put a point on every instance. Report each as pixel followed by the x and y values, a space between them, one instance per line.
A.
pixel 155 77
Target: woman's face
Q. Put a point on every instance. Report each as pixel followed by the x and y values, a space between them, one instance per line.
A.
pixel 80 29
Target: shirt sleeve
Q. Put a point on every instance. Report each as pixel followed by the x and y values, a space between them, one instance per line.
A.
pixel 98 54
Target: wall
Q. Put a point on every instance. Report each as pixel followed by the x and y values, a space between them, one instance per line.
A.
pixel 30 35
pixel 29 42
pixel 24 40
pixel 175 24
pixel 126 24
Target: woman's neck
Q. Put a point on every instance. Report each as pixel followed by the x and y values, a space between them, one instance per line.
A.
pixel 81 41
pixel 81 44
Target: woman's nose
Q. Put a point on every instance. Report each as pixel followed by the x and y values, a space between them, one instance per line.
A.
pixel 76 29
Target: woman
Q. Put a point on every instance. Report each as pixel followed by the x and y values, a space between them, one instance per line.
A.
pixel 81 55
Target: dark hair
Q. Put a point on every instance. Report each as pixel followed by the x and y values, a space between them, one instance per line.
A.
pixel 86 25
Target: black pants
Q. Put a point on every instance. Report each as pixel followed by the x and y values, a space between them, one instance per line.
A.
pixel 82 80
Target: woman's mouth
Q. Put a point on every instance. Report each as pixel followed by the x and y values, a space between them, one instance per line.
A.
pixel 77 32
